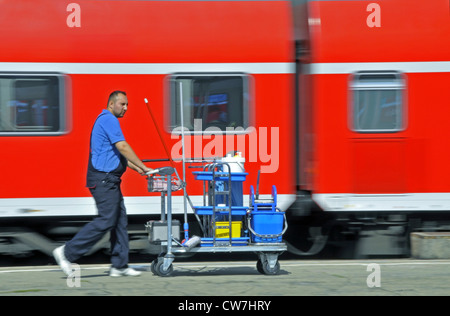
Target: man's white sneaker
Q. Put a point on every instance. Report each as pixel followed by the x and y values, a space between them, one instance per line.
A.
pixel 113 272
pixel 62 261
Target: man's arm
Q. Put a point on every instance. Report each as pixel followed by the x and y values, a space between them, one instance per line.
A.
pixel 133 160
pixel 135 168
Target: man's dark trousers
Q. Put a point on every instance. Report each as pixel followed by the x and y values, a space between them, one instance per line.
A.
pixel 111 217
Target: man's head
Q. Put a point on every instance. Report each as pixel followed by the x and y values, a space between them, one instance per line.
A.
pixel 117 103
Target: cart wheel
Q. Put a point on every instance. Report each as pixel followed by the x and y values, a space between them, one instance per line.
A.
pixel 160 271
pixel 264 268
pixel 259 266
pixel 153 266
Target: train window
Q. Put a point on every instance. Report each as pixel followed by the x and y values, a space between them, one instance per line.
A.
pixel 216 103
pixel 31 104
pixel 377 102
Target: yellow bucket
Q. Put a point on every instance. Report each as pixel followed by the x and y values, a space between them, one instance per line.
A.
pixel 223 231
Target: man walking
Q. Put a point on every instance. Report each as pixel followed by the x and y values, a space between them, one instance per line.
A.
pixel 109 156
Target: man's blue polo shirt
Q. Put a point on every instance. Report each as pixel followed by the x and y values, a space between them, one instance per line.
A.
pixel 106 132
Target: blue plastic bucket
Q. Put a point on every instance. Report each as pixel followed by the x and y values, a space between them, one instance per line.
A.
pixel 267 223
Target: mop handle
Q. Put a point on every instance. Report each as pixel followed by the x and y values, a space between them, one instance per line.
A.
pixel 159 132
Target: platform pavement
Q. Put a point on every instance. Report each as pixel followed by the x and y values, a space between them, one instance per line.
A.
pixel 202 279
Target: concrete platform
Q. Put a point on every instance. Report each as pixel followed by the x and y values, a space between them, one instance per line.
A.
pixel 403 277
pixel 430 245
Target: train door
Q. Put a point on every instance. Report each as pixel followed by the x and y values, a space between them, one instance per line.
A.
pixel 378 119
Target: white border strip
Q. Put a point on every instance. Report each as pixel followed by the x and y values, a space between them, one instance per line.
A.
pixel 405 67
pixel 85 206
pixel 148 68
pixel 342 202
pixel 254 68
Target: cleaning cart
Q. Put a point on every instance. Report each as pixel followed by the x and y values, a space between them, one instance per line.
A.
pixel 227 226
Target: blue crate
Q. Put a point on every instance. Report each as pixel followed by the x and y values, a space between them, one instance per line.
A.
pixel 221 210
pixel 222 176
pixel 238 241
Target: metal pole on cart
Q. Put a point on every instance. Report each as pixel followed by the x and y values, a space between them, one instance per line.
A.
pixel 169 257
pixel 186 225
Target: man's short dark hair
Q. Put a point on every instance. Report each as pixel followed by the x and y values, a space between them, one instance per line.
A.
pixel 113 96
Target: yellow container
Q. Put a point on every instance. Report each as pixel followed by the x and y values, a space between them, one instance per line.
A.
pixel 223 231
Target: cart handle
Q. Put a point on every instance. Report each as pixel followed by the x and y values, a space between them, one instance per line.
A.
pixel 165 171
pixel 152 172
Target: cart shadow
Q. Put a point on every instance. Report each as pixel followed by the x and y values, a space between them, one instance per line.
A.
pixel 205 270
pixel 219 271
pixel 188 271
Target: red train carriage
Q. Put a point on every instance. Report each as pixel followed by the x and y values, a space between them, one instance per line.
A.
pixel 61 59
pixel 374 109
pixel 342 101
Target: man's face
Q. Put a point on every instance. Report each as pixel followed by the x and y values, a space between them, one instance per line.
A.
pixel 120 106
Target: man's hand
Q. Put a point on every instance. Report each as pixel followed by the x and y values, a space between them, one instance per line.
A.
pixel 144 172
